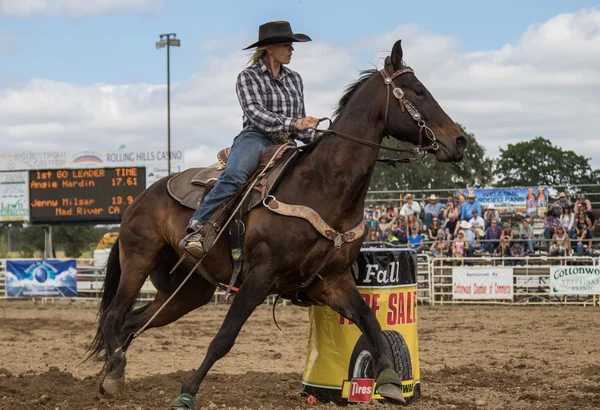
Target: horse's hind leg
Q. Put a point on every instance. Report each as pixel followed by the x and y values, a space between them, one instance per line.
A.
pixel 196 292
pixel 251 294
pixel 135 270
pixel 341 294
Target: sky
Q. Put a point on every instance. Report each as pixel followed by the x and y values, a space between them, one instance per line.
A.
pixel 78 74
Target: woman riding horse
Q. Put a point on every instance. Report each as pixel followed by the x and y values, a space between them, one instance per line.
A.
pixel 272 99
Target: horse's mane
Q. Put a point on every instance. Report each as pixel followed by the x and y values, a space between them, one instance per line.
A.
pixel 305 150
pixel 351 89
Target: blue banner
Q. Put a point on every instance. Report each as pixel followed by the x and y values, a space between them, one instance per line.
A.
pixel 41 278
pixel 532 202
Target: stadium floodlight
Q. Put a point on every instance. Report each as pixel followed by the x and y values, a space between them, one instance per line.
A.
pixel 169 41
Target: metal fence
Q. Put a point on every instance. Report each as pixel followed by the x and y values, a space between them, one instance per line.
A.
pixel 434 281
pixel 531 280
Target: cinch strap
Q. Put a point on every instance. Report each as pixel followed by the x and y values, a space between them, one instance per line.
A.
pixel 309 214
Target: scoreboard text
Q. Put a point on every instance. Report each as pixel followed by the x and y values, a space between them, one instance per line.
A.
pixel 83 195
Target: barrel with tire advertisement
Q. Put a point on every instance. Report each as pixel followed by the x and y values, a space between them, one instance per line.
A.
pixel 337 351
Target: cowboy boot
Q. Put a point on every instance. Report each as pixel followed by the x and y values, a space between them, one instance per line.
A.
pixel 193 242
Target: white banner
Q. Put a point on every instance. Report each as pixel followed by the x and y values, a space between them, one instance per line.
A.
pixel 14 196
pixel 485 282
pixel 575 280
pixel 90 159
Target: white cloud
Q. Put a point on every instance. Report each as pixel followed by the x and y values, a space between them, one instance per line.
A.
pixel 74 8
pixel 547 83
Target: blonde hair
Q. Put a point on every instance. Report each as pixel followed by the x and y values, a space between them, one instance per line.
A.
pixel 258 55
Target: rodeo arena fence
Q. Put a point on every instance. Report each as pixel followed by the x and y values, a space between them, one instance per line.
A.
pixel 480 277
pixel 539 280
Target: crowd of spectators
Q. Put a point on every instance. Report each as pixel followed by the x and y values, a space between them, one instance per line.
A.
pixel 462 227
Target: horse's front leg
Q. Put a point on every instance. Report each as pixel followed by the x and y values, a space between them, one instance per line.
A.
pixel 341 294
pixel 252 293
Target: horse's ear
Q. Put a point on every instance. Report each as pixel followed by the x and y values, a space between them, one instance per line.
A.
pixel 396 57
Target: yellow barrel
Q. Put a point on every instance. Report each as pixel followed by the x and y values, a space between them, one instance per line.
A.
pixel 338 352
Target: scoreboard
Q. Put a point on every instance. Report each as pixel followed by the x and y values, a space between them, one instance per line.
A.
pixel 98 195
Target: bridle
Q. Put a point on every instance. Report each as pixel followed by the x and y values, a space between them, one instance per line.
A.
pixel 419 151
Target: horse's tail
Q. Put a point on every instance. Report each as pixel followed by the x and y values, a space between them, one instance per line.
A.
pixel 109 290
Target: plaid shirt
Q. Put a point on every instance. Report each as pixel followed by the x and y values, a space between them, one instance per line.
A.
pixel 272 105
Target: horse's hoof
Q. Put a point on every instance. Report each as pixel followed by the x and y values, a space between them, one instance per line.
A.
pixel 184 401
pixel 392 393
pixel 113 387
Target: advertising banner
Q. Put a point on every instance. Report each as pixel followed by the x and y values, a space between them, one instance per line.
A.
pixel 532 202
pixel 155 160
pixel 338 364
pixel 88 159
pixel 575 280
pixel 485 282
pixel 41 278
pixel 14 197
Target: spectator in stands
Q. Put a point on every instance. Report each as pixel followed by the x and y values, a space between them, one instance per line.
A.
pixel 434 229
pixel 469 206
pixel 492 237
pixel 477 225
pixel 581 200
pixel 465 227
pixel 458 204
pixel 378 212
pixel 452 226
pixel 460 247
pixel 370 219
pixel 491 214
pixel 415 240
pixel 390 211
pixel 550 225
pixel 373 239
pixel 432 210
pixel 399 227
pixel 590 215
pixel 450 208
pixel 563 202
pixel 504 249
pixel 567 220
pixel 411 206
pixel 390 239
pixel 585 230
pixel 440 247
pixel 526 232
pixel 413 222
pixel 507 232
pixel 384 225
pixel 516 251
pixel 560 245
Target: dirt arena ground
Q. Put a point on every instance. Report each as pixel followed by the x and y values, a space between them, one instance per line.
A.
pixel 471 358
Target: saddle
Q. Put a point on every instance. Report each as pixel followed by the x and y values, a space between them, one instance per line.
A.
pixel 191 186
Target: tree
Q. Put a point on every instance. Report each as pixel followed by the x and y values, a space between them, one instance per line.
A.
pixel 474 170
pixel 31 239
pixel 75 239
pixel 539 163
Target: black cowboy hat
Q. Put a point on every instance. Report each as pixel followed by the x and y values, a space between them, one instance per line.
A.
pixel 275 32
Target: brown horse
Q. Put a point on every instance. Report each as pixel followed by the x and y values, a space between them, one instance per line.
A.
pixel 281 252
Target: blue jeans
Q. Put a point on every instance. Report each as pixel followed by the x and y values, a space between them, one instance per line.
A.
pixel 490 246
pixel 529 242
pixel 243 161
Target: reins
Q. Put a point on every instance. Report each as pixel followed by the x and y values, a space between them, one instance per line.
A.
pixel 419 151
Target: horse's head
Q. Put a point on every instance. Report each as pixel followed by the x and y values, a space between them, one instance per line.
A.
pixel 412 114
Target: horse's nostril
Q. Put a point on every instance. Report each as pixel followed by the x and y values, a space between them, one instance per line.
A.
pixel 461 142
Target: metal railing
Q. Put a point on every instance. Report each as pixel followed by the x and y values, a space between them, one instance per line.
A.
pixel 434 281
pixel 531 280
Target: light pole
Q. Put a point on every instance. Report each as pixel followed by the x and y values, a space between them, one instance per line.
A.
pixel 166 40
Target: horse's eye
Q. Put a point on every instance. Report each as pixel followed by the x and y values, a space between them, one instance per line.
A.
pixel 420 91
